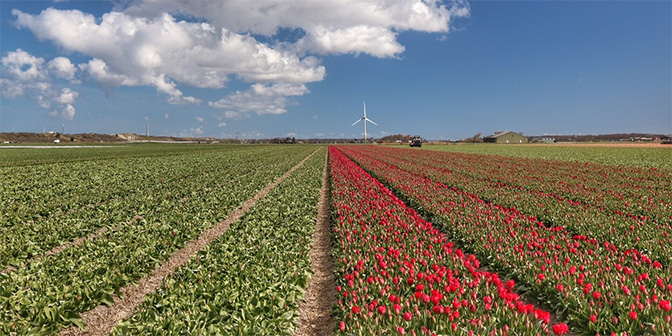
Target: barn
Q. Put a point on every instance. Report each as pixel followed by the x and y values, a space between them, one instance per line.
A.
pixel 505 137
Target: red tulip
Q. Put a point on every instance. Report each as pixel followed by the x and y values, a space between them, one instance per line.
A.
pixel 382 310
pixel 560 329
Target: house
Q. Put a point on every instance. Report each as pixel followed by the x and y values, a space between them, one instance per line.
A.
pixel 505 137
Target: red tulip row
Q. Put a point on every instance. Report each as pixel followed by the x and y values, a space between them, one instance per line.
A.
pixel 397 274
pixel 629 191
pixel 623 229
pixel 598 287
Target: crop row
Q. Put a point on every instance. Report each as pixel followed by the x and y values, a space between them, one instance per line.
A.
pixel 48 294
pixel 638 232
pixel 250 280
pixel 37 192
pixel 627 190
pixel 598 287
pixel 396 273
pixel 646 156
pixel 149 195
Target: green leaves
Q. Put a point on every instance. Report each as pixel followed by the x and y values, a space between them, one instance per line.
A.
pixel 178 196
pixel 250 280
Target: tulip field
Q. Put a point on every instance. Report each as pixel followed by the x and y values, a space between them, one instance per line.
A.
pixel 217 239
pixel 590 243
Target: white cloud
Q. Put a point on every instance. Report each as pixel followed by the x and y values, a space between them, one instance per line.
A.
pixel 279 89
pixel 161 51
pixel 61 67
pixel 376 41
pixel 193 132
pixel 221 124
pixel 21 71
pixel 199 119
pixel 66 111
pixel 67 96
pixel 141 43
pixel 22 74
pixel 259 99
pixel 98 71
pixel 264 17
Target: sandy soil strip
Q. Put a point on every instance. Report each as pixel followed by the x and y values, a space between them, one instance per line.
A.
pixel 101 320
pixel 315 311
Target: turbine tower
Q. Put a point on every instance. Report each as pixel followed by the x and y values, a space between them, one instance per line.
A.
pixel 365 120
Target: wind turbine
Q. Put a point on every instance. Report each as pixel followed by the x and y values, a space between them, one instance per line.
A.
pixel 365 120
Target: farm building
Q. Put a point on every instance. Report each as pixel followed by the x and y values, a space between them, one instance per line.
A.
pixel 505 137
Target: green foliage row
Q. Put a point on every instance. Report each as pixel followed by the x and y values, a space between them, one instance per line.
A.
pixel 39 191
pixel 44 296
pixel 249 281
pixel 119 192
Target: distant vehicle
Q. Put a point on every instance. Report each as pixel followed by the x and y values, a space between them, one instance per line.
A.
pixel 416 141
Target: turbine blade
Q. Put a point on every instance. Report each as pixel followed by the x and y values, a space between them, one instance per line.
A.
pixel 364 109
pixel 371 121
pixel 356 122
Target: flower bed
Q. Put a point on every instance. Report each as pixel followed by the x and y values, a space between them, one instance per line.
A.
pixel 397 274
pixel 596 286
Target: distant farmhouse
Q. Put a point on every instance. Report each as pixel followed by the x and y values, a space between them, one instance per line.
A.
pixel 505 137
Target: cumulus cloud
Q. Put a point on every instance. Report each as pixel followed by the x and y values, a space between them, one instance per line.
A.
pixel 24 75
pixel 193 132
pixel 22 71
pixel 142 43
pixel 61 67
pixel 330 26
pixel 376 41
pixel 161 51
pixel 261 99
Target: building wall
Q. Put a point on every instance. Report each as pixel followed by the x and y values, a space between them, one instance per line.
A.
pixel 510 138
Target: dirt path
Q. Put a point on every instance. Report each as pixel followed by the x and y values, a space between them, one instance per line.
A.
pixel 315 311
pixel 101 320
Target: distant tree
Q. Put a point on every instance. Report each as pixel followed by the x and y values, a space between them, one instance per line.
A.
pixel 474 139
pixel 391 138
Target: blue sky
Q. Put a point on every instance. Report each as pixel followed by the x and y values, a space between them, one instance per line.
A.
pixel 281 68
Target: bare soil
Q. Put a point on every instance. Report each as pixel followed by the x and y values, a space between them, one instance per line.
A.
pixel 101 320
pixel 315 317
